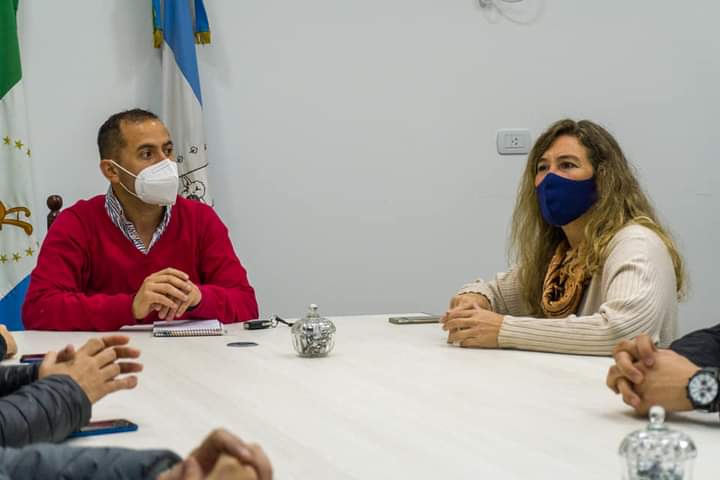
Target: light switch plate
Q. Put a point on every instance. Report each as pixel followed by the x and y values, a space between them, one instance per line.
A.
pixel 513 141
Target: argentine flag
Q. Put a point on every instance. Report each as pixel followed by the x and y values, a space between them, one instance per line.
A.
pixel 178 25
pixel 18 244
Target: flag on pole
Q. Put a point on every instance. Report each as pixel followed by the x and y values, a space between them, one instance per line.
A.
pixel 18 244
pixel 177 26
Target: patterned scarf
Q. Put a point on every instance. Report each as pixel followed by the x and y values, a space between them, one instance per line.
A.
pixel 563 286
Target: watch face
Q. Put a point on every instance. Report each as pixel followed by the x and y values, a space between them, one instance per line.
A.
pixel 703 388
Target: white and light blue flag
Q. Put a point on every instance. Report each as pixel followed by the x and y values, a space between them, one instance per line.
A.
pixel 178 25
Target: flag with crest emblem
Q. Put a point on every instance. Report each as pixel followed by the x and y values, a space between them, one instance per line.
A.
pixel 18 244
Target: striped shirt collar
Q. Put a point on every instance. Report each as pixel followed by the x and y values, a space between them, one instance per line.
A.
pixel 117 215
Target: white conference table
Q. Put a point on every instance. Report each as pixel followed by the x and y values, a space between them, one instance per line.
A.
pixel 389 402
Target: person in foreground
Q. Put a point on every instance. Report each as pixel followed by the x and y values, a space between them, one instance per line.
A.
pixel 46 403
pixel 684 377
pixel 49 401
pixel 221 455
pixel 593 263
pixel 139 252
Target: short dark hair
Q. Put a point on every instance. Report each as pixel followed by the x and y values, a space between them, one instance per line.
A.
pixel 110 139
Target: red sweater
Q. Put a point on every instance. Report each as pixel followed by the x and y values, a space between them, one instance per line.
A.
pixel 88 272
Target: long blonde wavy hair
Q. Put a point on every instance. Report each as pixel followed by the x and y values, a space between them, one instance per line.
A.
pixel 620 201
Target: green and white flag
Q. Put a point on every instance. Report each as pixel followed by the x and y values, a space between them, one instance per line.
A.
pixel 18 245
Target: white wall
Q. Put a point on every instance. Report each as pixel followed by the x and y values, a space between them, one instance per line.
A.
pixel 352 142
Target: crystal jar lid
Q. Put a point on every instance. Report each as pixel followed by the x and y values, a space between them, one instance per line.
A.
pixel 312 312
pixel 657 449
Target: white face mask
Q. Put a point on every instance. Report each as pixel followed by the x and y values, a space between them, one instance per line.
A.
pixel 156 184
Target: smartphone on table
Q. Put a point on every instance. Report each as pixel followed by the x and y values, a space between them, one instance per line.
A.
pixel 32 358
pixel 104 427
pixel 414 319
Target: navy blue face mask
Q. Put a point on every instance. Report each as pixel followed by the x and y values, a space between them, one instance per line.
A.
pixel 562 200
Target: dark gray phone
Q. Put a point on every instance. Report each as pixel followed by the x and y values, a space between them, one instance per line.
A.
pixel 414 319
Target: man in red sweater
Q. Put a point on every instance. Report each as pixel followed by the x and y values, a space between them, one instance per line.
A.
pixel 140 252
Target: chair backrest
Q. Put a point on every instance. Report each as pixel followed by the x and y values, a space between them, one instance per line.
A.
pixel 54 203
pixel 11 304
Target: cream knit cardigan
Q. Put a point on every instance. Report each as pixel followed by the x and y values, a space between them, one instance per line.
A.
pixel 634 293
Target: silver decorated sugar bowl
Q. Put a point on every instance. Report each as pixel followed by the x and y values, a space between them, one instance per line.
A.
pixel 313 336
pixel 657 453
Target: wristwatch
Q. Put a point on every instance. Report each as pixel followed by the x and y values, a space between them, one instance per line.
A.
pixel 703 389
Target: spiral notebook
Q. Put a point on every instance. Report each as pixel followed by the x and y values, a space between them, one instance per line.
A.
pixel 187 328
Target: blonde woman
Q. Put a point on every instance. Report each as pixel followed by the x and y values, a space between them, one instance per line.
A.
pixel 593 265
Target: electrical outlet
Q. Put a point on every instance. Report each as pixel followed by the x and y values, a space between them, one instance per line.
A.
pixel 513 141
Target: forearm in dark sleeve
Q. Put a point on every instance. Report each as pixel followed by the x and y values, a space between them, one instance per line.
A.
pixel 44 461
pixel 47 410
pixel 13 377
pixel 701 347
